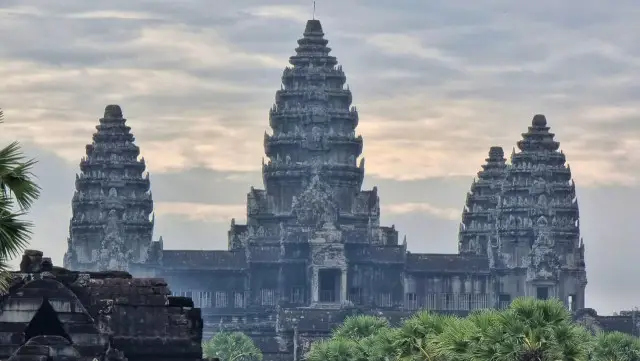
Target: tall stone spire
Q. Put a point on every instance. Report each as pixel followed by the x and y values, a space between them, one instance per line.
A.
pixel 538 231
pixel 313 211
pixel 313 126
pixel 478 216
pixel 110 226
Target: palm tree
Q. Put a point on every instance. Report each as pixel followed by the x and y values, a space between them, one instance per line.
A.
pixel 16 188
pixel 335 349
pixel 231 346
pixel 361 326
pixel 418 336
pixel 530 330
pixel 615 346
pixel 381 346
pixel 458 339
pixel 358 338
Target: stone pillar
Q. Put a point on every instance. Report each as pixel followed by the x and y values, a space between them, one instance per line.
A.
pixel 282 291
pixel 343 286
pixel 456 284
pixel 579 296
pixel 314 285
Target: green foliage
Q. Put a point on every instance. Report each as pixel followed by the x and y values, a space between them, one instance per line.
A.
pixel 357 327
pixel 615 346
pixel 17 188
pixel 358 338
pixel 231 346
pixel 529 330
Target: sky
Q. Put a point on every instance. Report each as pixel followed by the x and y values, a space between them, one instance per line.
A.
pixel 436 84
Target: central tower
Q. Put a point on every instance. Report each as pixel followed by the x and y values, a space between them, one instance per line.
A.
pixel 313 127
pixel 311 234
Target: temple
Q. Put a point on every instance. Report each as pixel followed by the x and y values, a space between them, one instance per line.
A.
pixel 110 226
pixel 313 250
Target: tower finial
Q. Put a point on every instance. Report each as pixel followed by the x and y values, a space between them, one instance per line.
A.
pixel 313 16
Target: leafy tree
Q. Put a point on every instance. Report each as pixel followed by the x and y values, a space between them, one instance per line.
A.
pixel 231 346
pixel 417 339
pixel 358 327
pixel 17 188
pixel 361 337
pixel 380 346
pixel 460 335
pixel 615 346
pixel 335 349
pixel 530 330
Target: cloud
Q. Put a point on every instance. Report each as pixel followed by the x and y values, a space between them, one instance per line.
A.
pixel 469 77
pixel 201 211
pixel 436 84
pixel 405 208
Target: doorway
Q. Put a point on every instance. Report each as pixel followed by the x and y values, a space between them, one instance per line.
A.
pixel 329 285
pixel 542 293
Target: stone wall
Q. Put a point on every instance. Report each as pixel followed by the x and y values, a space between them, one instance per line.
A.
pixel 98 312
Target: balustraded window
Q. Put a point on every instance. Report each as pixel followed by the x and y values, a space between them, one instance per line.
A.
pixel 479 302
pixel 463 301
pixel 268 297
pixel 504 301
pixel 221 299
pixel 297 295
pixel 201 299
pixel 384 299
pixel 355 295
pixel 238 300
pixel 183 293
pixel 411 301
pixel 447 302
pixel 431 301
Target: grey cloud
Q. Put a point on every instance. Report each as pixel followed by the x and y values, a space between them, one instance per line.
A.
pixel 199 185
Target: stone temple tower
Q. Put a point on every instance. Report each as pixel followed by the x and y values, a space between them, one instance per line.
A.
pixel 311 234
pixel 478 215
pixel 537 247
pixel 313 126
pixel 110 227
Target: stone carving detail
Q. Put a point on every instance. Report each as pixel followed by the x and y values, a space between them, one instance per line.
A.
pixel 113 354
pixel 113 254
pixel 544 262
pixel 316 207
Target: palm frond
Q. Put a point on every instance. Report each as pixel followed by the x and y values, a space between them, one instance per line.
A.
pixel 5 275
pixel 14 231
pixel 357 327
pixel 16 176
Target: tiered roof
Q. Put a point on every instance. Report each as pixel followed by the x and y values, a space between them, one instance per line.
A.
pixel 312 119
pixel 478 216
pixel 538 194
pixel 112 202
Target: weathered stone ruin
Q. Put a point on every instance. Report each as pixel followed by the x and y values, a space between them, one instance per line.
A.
pixel 53 313
pixel 313 250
